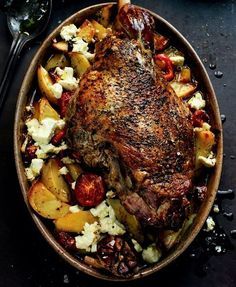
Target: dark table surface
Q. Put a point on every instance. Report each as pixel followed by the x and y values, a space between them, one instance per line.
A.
pixel 25 257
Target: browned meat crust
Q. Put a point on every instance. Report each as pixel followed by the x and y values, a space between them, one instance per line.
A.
pixel 127 121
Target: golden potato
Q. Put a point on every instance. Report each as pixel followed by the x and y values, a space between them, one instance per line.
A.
pixel 43 109
pixel 79 62
pixel 57 60
pixel 61 46
pixel 45 83
pixel 86 31
pixel 129 220
pixel 100 31
pixel 170 237
pixel 74 222
pixel 54 181
pixel 75 170
pixel 204 141
pixel 183 90
pixel 45 203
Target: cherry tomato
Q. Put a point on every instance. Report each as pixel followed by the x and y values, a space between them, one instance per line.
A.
pixel 165 63
pixel 58 137
pixel 89 190
pixel 63 102
pixel 199 117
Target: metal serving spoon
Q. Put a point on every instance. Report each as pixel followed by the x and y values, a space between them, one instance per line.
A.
pixel 26 20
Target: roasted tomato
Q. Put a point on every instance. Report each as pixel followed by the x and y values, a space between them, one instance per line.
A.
pixel 66 240
pixel 136 21
pixel 58 137
pixel 89 190
pixel 199 117
pixel 63 102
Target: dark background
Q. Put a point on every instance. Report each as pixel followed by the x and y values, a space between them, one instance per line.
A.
pixel 25 258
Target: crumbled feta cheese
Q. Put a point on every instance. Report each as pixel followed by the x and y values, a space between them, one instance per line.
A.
pixel 44 149
pixel 151 254
pixel 36 166
pixel 57 90
pixel 107 219
pixel 177 60
pixel 197 102
pixel 137 246
pixel 216 208
pixel 74 208
pixel 67 160
pixel 79 45
pixel 110 194
pixel 218 249
pixel 90 236
pixel 64 170
pixel 34 169
pixel 73 185
pixel 67 81
pixel 209 161
pixel 44 131
pixel 101 211
pixel 29 174
pixel 210 224
pixel 41 132
pixel 68 32
pixel 112 226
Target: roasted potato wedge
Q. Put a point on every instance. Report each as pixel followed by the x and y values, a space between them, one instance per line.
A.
pixel 57 60
pixel 54 181
pixel 45 202
pixel 183 90
pixel 129 220
pixel 61 46
pixel 204 141
pixel 75 170
pixel 86 31
pixel 74 222
pixel 100 31
pixel 105 15
pixel 43 109
pixel 79 62
pixel 45 82
pixel 170 237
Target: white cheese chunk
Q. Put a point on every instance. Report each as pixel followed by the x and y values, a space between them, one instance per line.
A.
pixel 64 170
pixel 41 132
pixel 197 102
pixel 90 236
pixel 68 32
pixel 79 45
pixel 44 131
pixel 73 185
pixel 209 161
pixel 151 254
pixel 112 226
pixel 67 80
pixel 57 90
pixel 210 224
pixel 101 211
pixel 216 208
pixel 34 169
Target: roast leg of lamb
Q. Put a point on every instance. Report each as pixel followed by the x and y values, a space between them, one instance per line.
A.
pixel 127 122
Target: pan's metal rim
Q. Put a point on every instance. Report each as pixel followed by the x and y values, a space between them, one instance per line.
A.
pixel 20 169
